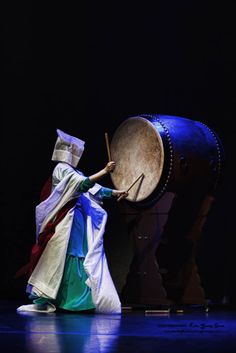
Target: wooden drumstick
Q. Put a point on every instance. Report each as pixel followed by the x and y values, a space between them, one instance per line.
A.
pixel 108 147
pixel 136 180
pixel 140 176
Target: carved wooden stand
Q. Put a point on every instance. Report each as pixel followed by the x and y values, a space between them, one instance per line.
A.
pixel 163 270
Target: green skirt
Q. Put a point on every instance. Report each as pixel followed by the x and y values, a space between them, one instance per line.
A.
pixel 73 293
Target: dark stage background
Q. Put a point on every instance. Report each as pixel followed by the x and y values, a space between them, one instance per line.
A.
pixel 84 70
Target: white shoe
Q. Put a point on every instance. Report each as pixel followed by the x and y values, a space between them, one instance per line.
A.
pixel 47 308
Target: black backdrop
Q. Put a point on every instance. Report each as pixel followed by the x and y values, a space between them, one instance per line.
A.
pixel 86 68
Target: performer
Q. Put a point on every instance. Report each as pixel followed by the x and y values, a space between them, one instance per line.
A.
pixel 68 267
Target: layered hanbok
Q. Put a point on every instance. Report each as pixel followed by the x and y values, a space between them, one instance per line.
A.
pixel 69 269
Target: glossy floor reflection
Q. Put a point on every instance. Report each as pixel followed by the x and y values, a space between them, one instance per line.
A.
pixel 130 332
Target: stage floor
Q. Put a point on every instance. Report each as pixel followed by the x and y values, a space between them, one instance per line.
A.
pixel 134 331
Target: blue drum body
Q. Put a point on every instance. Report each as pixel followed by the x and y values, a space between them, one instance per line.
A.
pixel 174 153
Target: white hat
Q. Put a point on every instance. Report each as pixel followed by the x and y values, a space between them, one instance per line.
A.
pixel 67 149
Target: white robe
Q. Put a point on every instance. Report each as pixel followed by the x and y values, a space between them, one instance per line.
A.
pixel 46 277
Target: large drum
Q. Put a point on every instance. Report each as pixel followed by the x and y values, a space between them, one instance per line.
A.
pixel 165 153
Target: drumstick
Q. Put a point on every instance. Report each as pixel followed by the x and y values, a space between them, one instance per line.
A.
pixel 108 147
pixel 136 180
pixel 140 176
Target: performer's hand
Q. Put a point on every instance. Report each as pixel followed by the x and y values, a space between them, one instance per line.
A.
pixel 108 169
pixel 120 194
pixel 110 166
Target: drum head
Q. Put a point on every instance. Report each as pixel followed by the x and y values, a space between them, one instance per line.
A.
pixel 137 148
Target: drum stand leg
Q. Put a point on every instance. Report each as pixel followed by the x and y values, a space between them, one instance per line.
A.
pixel 144 287
pixel 178 249
pixel 163 272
